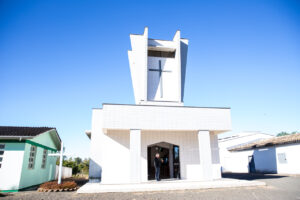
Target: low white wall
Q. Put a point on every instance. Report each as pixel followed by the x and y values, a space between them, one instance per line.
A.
pixel 66 172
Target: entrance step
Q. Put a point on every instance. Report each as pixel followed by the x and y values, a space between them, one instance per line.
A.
pixel 166 185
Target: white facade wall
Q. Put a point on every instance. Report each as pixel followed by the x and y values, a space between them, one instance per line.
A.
pixel 111 155
pixel 10 171
pixel 292 165
pixel 165 118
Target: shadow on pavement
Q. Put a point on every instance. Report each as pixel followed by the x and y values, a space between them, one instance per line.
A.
pixel 79 181
pixel 5 194
pixel 250 176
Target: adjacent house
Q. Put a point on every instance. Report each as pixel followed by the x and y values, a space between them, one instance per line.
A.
pixel 24 159
pixel 230 161
pixel 275 155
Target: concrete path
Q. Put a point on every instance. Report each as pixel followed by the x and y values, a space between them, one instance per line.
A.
pixel 167 186
pixel 279 187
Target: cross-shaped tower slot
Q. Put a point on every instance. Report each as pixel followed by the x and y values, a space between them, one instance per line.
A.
pixel 160 70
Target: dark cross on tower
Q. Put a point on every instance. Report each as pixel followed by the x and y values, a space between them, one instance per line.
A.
pixel 159 70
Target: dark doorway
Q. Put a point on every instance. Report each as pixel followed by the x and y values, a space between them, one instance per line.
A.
pixel 169 153
pixel 251 164
pixel 176 162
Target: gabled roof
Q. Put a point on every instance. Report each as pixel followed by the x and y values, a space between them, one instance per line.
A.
pixel 15 131
pixel 288 139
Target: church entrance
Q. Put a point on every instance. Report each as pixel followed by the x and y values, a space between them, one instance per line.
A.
pixel 169 153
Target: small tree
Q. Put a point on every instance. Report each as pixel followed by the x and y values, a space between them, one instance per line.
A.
pixel 283 133
pixel 78 160
pixel 77 165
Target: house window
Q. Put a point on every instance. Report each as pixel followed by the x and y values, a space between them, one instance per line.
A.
pixel 44 159
pixel 282 158
pixel 32 157
pixel 2 146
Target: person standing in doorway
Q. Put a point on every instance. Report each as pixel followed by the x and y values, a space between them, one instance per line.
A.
pixel 157 164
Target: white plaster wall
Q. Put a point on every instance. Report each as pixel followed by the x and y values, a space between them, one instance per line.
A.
pixel 109 153
pixel 10 172
pixel 236 162
pixel 116 157
pixel 292 157
pixel 165 118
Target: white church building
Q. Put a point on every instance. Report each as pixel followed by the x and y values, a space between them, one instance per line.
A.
pixel 125 138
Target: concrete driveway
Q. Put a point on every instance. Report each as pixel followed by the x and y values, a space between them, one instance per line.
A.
pixel 278 188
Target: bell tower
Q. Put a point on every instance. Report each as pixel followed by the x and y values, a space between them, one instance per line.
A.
pixel 158 69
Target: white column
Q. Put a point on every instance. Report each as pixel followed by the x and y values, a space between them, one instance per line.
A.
pixel 215 156
pixel 60 162
pixel 205 155
pixel 135 156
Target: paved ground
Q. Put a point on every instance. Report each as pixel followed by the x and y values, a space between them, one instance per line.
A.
pixel 278 188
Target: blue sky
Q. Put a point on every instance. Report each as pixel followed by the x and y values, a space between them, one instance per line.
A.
pixel 59 59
